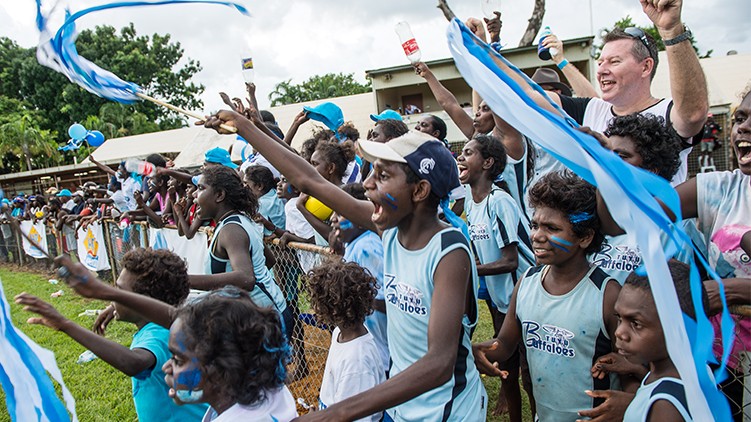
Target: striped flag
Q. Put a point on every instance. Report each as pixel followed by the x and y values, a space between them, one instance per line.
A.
pixel 57 48
pixel 24 367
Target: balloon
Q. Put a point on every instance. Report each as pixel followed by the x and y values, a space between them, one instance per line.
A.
pixel 95 138
pixel 77 131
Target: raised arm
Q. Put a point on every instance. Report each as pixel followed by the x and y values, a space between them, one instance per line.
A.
pixel 102 167
pixel 86 284
pixel 129 362
pixel 581 85
pixel 298 171
pixel 446 100
pixel 301 118
pixel 688 86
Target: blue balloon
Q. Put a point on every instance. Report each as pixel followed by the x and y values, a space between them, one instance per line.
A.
pixel 77 131
pixel 95 138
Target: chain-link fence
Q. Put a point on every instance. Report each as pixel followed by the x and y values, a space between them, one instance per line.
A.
pixel 310 340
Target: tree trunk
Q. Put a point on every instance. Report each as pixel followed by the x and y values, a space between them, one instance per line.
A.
pixel 26 155
pixel 535 23
pixel 447 12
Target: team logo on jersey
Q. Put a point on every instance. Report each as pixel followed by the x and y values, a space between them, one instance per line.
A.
pixel 478 232
pixel 407 298
pixel 620 258
pixel 551 339
pixel 426 165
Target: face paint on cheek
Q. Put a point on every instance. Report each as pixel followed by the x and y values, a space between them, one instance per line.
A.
pixel 345 225
pixel 391 200
pixel 190 379
pixel 560 243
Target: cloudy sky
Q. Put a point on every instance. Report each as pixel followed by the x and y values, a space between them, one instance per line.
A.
pixel 293 39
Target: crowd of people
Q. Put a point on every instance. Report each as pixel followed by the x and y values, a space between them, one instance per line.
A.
pixel 421 237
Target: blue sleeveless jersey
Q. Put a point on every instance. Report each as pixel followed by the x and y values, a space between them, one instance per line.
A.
pixel 564 335
pixel 408 280
pixel 266 292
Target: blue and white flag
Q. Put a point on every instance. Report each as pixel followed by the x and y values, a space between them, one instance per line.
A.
pixel 24 368
pixel 57 48
pixel 630 194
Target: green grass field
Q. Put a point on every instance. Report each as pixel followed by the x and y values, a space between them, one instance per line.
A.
pixel 101 392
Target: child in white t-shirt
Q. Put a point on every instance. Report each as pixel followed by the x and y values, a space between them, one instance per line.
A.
pixel 341 293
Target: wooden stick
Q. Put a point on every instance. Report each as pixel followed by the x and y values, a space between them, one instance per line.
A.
pixel 17 226
pixel 182 111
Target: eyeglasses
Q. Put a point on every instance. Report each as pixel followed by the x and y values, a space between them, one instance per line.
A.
pixel 635 32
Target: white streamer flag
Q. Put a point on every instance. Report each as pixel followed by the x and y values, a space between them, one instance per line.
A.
pixel 194 251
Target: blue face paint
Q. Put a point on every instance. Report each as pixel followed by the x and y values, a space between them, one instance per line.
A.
pixel 391 200
pixel 345 225
pixel 289 189
pixel 560 243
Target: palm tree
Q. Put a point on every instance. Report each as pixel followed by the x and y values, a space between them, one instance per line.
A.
pixel 23 138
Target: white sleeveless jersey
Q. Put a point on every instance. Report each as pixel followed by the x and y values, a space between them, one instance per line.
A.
pixel 266 292
pixel 408 281
pixel 599 114
pixel 494 223
pixel 670 389
pixel 563 336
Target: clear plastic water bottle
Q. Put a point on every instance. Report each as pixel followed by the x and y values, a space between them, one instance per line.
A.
pixel 86 356
pixel 411 49
pixel 490 6
pixel 249 73
pixel 144 168
pixel 542 52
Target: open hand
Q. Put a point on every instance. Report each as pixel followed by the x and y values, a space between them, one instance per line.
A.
pixel 48 315
pixel 612 409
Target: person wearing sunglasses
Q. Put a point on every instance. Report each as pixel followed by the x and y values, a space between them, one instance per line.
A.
pixel 626 67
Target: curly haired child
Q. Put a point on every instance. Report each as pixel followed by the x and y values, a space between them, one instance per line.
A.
pixel 341 294
pixel 158 274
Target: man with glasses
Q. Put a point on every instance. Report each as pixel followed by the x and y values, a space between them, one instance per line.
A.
pixel 626 67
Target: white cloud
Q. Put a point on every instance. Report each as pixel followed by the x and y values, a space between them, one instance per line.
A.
pixel 295 39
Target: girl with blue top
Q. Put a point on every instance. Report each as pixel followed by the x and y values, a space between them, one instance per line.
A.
pixel 236 252
pixel 427 266
pixel 500 239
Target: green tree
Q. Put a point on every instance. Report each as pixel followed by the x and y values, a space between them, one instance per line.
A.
pixel 317 87
pixel 153 62
pixel 21 137
pixel 628 22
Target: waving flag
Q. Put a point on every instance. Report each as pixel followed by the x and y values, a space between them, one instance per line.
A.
pixel 29 393
pixel 57 49
pixel 630 194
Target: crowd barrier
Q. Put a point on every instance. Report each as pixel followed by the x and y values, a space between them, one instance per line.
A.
pixel 101 247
